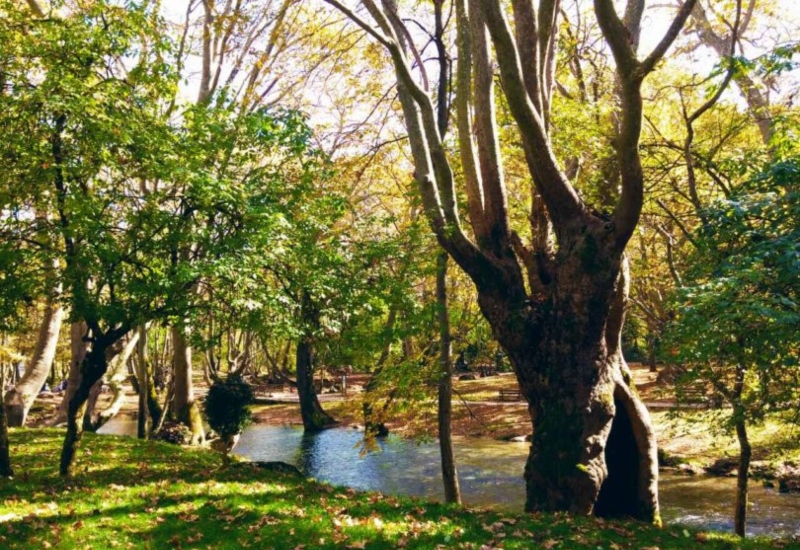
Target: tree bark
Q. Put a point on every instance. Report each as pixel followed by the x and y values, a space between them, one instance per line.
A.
pixel 452 492
pixel 19 400
pixel 184 406
pixel 593 447
pixel 117 374
pixel 143 424
pixel 78 350
pixel 93 368
pixel 314 417
pixel 563 338
pixel 5 451
pixel 742 479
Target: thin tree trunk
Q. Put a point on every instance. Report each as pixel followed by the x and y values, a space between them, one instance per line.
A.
pixel 93 367
pixel 742 479
pixel 19 400
pixel 117 374
pixel 314 417
pixel 5 452
pixel 651 352
pixel 143 419
pixel 78 350
pixel 745 451
pixel 184 406
pixel 452 493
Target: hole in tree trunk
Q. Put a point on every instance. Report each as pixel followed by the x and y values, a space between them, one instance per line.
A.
pixel 618 494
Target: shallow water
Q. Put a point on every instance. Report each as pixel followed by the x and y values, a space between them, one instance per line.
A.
pixel 490 474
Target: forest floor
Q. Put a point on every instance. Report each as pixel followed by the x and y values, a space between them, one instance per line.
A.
pixel 138 494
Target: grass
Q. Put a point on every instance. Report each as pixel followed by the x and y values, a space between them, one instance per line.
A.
pixel 697 437
pixel 138 494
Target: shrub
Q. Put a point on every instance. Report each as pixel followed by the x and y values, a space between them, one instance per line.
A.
pixel 226 406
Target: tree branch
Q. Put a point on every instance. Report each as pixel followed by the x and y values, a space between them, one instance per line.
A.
pixel 672 33
pixel 36 8
pixel 560 197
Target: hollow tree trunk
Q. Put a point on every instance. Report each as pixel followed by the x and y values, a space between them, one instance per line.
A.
pixel 78 350
pixel 93 368
pixel 452 493
pixel 19 400
pixel 184 405
pixel 314 417
pixel 593 450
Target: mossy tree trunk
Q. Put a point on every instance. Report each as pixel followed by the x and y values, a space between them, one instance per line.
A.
pixel 185 407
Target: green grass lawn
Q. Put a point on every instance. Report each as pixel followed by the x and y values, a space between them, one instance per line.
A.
pixel 136 494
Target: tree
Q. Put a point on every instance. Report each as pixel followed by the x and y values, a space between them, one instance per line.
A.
pixel 556 308
pixel 130 191
pixel 743 295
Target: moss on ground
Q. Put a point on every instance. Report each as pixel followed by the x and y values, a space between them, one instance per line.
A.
pixel 137 494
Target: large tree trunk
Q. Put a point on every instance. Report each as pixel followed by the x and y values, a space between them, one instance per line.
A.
pixel 184 405
pixel 19 400
pixel 78 350
pixel 452 493
pixel 314 417
pixel 593 449
pixel 561 329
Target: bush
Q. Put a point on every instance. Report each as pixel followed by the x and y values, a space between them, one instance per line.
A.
pixel 226 406
pixel 174 432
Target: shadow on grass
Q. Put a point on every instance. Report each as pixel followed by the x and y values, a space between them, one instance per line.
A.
pixel 136 494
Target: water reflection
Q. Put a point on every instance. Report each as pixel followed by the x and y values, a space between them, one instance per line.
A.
pixel 490 474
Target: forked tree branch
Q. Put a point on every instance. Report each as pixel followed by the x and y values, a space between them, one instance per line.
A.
pixel 672 33
pixel 562 201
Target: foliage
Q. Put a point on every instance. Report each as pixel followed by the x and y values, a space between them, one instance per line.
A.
pixel 741 302
pixel 142 494
pixel 226 406
pixel 139 210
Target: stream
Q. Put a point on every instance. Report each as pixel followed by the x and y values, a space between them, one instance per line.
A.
pixel 490 475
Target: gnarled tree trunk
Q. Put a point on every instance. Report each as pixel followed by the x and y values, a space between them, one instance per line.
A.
pixel 92 369
pixel 19 400
pixel 551 303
